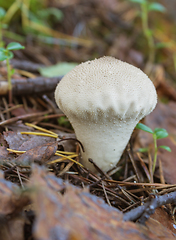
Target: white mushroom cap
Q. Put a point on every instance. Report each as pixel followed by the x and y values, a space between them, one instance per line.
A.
pixel 104 99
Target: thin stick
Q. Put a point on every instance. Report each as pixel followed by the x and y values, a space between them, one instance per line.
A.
pixel 22 117
pixel 161 172
pixel 106 196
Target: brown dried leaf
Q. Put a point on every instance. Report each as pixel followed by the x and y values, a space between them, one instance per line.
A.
pixel 15 139
pixel 12 229
pixel 164 218
pixel 9 197
pixel 35 141
pixel 4 154
pixel 159 230
pixel 77 214
pixel 38 154
pixel 22 142
pixel 11 201
pixel 2 141
pixel 19 127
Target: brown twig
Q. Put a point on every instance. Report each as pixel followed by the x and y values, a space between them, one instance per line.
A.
pixel 98 169
pixel 145 211
pixel 30 85
pixel 23 117
pixel 134 165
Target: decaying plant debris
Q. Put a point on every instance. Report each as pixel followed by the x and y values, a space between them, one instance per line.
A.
pixel 45 192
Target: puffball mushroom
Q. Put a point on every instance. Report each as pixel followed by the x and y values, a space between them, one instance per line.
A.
pixel 104 99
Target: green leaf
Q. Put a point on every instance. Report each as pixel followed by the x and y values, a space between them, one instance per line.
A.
pixel 14 46
pixel 9 55
pixel 2 13
pixel 3 56
pixel 59 69
pixel 45 13
pixel 143 150
pixel 166 148
pixel 160 133
pixel 143 127
pixel 160 45
pixel 138 1
pixel 156 7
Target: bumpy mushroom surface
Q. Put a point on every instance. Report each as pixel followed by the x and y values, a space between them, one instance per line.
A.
pixel 104 99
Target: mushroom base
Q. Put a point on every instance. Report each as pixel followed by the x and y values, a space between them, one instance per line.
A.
pixel 103 142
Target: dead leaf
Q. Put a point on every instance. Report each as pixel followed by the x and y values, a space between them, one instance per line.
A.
pixel 164 218
pixel 22 142
pixel 159 230
pixel 7 196
pixel 35 141
pixel 11 201
pixel 15 139
pixel 4 154
pixel 12 229
pixel 40 154
pixel 77 214
pixel 3 141
pixel 10 197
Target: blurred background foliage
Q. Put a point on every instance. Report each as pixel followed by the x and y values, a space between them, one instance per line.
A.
pixel 137 31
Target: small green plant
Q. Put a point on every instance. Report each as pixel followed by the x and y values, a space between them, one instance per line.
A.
pixel 146 7
pixel 158 133
pixel 7 54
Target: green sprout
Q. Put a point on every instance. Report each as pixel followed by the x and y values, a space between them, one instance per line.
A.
pixel 7 54
pixel 158 133
pixel 147 7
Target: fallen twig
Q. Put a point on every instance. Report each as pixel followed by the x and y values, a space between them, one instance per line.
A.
pixel 143 212
pixel 22 117
pixel 30 85
pixel 26 65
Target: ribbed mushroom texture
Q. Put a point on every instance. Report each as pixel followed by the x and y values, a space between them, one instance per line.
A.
pixel 104 99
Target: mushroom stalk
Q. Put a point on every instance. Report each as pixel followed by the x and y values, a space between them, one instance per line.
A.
pixel 103 142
